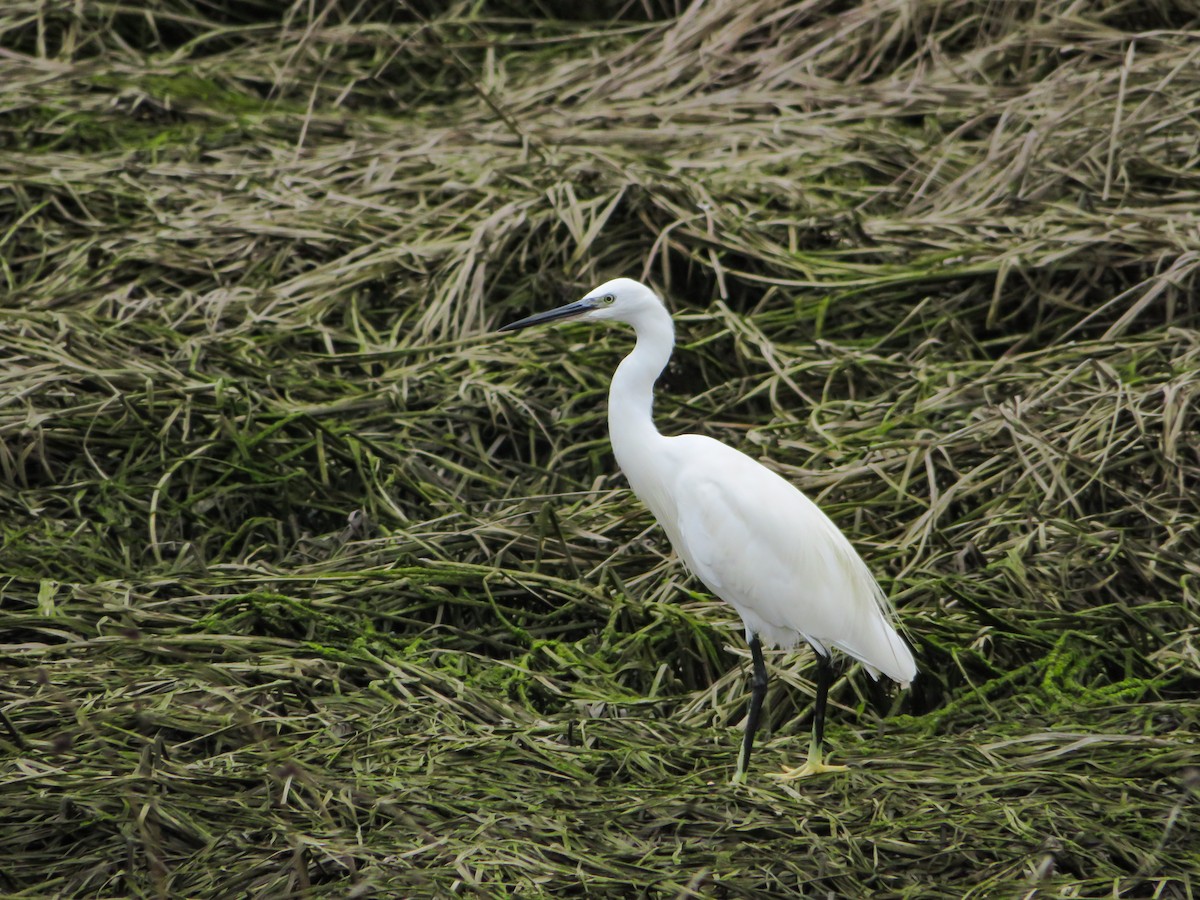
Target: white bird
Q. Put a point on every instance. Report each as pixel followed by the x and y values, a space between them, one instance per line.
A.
pixel 751 537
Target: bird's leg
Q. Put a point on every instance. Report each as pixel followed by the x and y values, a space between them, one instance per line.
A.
pixel 824 678
pixel 815 764
pixel 758 690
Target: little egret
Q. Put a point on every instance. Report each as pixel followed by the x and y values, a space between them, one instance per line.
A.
pixel 751 537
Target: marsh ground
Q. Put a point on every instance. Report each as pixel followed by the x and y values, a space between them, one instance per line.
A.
pixel 314 586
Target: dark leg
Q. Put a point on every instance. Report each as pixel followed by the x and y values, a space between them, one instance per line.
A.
pixel 824 679
pixel 758 690
pixel 816 750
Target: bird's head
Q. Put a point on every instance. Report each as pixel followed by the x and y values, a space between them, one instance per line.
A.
pixel 621 300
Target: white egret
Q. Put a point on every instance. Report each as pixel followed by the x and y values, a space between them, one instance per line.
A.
pixel 751 537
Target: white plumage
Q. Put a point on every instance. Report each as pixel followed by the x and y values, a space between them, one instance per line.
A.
pixel 748 534
pixel 768 551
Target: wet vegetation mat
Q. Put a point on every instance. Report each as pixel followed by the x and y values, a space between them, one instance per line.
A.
pixel 313 585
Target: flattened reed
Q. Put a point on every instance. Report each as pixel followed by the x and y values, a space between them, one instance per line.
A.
pixel 313 586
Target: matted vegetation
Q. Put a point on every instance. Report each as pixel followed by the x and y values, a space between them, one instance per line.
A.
pixel 313 585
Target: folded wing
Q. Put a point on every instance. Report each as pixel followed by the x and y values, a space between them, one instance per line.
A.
pixel 766 549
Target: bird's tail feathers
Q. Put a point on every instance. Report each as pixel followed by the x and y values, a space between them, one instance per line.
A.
pixel 881 649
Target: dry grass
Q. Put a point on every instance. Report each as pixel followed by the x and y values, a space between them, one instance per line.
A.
pixel 314 586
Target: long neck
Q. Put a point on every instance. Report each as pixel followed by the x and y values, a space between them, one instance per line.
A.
pixel 631 395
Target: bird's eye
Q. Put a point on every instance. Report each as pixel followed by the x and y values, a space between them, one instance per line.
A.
pixel 608 299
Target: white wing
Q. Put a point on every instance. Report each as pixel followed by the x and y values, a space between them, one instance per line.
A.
pixel 767 550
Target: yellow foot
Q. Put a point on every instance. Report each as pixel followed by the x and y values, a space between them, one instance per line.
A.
pixel 812 767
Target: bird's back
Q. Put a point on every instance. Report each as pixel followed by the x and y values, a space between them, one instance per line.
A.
pixel 766 549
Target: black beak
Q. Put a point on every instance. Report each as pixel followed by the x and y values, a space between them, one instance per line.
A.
pixel 578 308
